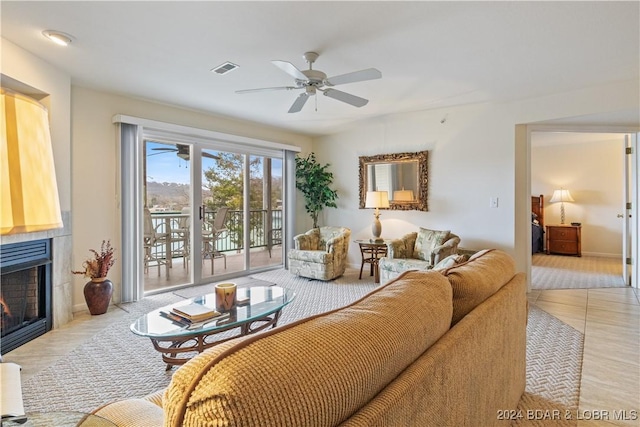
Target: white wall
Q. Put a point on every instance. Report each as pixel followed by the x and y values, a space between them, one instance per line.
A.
pixel 94 166
pixel 473 156
pixel 594 174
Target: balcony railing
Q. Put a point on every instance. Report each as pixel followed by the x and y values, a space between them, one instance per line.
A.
pixel 264 231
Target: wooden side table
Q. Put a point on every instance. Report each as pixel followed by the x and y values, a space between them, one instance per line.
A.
pixel 564 240
pixel 371 253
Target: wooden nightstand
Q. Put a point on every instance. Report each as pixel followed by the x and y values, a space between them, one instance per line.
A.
pixel 564 240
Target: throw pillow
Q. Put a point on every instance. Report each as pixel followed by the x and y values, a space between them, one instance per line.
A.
pixel 450 261
pixel 447 262
pixel 427 241
pixel 460 258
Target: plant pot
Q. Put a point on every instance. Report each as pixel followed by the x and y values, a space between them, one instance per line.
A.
pixel 97 294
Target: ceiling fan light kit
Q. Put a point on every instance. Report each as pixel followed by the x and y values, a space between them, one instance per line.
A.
pixel 314 80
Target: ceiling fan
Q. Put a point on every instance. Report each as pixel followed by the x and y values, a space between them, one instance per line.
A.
pixel 182 151
pixel 312 81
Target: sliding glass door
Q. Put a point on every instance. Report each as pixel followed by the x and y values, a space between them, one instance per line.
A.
pixel 208 213
pixel 199 206
pixel 166 215
pixel 265 204
pixel 222 213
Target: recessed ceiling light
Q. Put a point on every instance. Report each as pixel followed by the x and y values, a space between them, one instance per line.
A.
pixel 58 37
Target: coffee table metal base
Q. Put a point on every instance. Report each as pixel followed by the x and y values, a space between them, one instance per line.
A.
pixel 178 350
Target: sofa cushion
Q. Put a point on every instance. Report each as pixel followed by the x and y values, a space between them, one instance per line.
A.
pixel 318 370
pixel 428 240
pixel 477 279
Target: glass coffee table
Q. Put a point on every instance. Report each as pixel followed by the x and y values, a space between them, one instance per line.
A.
pixel 178 343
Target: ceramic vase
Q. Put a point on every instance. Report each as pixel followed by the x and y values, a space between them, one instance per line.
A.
pixel 97 294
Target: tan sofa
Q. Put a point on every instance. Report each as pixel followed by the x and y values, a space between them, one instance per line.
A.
pixel 432 348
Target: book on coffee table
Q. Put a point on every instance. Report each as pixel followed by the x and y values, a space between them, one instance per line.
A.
pixel 195 312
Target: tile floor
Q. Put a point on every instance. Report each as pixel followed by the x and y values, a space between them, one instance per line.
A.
pixel 609 318
pixel 610 321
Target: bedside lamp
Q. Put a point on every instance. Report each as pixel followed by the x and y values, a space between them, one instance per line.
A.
pixel 561 196
pixel 376 199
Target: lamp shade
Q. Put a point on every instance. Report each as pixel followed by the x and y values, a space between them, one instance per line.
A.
pixel 561 195
pixel 27 173
pixel 377 199
pixel 403 196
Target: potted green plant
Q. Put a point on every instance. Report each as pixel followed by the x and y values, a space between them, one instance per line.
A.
pixel 314 181
pixel 98 291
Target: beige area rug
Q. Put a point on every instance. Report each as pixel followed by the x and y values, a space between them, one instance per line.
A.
pixel 554 367
pixel 116 364
pixel 568 272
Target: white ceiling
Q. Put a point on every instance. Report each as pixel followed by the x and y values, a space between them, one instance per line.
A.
pixel 431 54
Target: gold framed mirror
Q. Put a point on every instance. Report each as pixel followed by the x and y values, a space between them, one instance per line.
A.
pixel 402 175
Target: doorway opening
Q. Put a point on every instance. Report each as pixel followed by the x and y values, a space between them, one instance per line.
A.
pixel 591 165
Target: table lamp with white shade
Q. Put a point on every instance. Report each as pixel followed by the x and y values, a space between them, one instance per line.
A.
pixel 376 199
pixel 561 196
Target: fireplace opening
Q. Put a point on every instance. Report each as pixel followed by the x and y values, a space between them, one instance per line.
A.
pixel 25 292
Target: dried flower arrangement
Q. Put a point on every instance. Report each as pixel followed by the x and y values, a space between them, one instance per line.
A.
pixel 98 266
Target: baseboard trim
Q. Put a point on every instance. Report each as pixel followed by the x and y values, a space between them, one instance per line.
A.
pixel 602 255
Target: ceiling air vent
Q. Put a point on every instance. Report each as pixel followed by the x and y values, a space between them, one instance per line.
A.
pixel 224 68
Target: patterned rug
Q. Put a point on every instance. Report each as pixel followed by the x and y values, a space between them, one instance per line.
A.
pixel 554 367
pixel 568 272
pixel 117 364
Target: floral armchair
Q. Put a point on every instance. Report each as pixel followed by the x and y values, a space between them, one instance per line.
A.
pixel 320 253
pixel 422 250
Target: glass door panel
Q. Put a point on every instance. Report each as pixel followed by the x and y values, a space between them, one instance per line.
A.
pixel 265 207
pixel 166 218
pixel 222 213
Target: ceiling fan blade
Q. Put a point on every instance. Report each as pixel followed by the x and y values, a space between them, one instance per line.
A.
pixel 356 76
pixel 356 101
pixel 298 103
pixel 265 89
pixel 165 149
pixel 210 156
pixel 290 69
